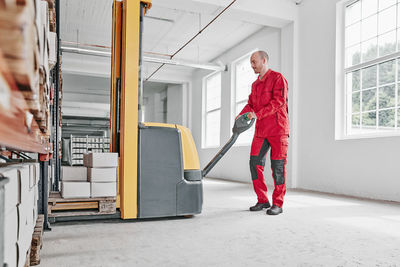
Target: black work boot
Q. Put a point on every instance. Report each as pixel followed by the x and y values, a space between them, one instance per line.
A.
pixel 274 210
pixel 260 206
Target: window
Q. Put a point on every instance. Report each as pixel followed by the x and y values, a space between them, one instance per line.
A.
pixel 212 110
pixel 243 78
pixel 371 67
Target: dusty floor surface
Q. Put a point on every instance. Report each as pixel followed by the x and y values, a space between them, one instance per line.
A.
pixel 314 230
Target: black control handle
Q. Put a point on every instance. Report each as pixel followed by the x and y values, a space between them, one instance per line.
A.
pixel 241 124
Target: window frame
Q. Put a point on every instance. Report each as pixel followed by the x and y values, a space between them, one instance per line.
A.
pixel 205 112
pixel 342 100
pixel 234 103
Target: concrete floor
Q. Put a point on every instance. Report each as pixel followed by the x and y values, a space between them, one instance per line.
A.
pixel 314 230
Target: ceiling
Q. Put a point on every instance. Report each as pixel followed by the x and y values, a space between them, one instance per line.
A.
pixel 167 26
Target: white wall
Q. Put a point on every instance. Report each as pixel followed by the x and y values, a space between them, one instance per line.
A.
pixel 235 164
pixel 175 104
pixel 365 168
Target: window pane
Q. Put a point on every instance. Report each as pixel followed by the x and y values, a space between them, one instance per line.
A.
pixel 353 55
pixel 213 92
pixel 387 20
pixel 398 37
pixel 386 118
pixel 355 120
pixel 355 102
pixel 387 96
pixel 387 43
pixel 398 95
pixel 369 49
pixel 244 78
pixel 398 118
pixel 353 81
pixel 368 120
pixel 246 137
pixel 239 107
pixel 398 69
pixel 369 7
pixel 369 28
pixel 213 122
pixel 353 34
pixel 369 77
pixel 398 17
pixel 353 13
pixel 387 72
pixel 369 100
pixel 386 3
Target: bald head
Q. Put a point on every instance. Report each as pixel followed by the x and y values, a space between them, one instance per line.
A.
pixel 262 54
pixel 259 62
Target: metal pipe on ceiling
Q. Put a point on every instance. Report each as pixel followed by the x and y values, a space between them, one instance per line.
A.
pixel 194 37
pixel 184 63
pixel 85 45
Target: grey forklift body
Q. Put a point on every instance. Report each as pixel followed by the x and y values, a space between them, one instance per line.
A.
pixel 165 189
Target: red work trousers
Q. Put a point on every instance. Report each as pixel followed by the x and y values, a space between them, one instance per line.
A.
pixel 279 149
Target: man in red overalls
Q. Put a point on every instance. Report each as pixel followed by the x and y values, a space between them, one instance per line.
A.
pixel 268 104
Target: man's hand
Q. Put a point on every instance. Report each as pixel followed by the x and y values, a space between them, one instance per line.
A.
pixel 250 115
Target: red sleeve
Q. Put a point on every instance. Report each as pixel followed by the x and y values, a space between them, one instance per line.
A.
pixel 279 96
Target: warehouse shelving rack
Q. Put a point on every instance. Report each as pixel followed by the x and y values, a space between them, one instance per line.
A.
pixel 21 135
pixel 85 144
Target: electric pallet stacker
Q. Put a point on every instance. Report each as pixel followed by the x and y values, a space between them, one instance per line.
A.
pixel 159 173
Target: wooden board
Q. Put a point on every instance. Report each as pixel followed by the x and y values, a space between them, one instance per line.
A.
pixel 60 207
pixel 37 241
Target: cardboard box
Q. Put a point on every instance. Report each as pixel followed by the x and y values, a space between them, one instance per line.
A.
pixel 12 190
pixel 11 237
pixel 5 93
pixel 101 175
pixel 22 253
pixel 69 173
pixel 103 189
pixel 33 176
pixel 100 160
pixel 29 210
pixel 52 49
pixel 75 189
pixel 24 177
pixel 25 231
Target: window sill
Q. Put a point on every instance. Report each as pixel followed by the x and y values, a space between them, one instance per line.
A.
pixel 367 136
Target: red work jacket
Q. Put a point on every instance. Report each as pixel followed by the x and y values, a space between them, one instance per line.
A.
pixel 268 100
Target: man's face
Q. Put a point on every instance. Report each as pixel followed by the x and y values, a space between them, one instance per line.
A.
pixel 257 62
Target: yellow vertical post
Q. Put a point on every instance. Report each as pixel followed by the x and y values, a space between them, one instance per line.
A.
pixel 129 108
pixel 125 65
pixel 115 75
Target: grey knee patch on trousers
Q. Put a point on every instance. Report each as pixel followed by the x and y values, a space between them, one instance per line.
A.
pixel 254 161
pixel 278 171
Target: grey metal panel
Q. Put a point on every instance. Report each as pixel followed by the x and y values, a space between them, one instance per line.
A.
pixel 3 181
pixel 193 175
pixel 189 197
pixel 160 170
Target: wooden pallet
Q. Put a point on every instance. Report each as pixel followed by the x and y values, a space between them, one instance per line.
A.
pixel 36 244
pixel 63 207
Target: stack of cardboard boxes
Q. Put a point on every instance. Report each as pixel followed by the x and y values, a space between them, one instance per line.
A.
pixel 98 177
pixel 21 211
pixel 29 48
